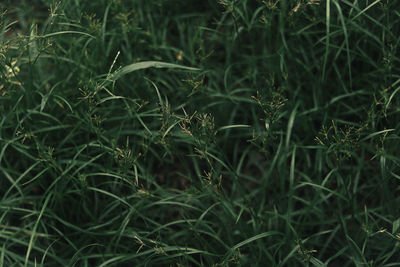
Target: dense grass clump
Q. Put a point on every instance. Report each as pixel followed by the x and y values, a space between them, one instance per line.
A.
pixel 199 133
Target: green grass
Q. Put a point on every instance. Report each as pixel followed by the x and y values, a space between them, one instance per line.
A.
pixel 199 133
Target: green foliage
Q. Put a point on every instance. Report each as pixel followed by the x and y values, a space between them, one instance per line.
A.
pixel 199 133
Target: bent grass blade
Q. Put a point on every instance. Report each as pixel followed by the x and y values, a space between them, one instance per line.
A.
pixel 150 64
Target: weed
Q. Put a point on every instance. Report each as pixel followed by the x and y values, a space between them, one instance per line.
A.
pixel 199 133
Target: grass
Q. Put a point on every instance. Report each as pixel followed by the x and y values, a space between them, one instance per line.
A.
pixel 199 133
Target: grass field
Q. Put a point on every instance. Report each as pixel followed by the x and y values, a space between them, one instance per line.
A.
pixel 199 133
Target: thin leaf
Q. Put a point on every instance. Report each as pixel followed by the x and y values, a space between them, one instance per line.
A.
pixel 150 64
